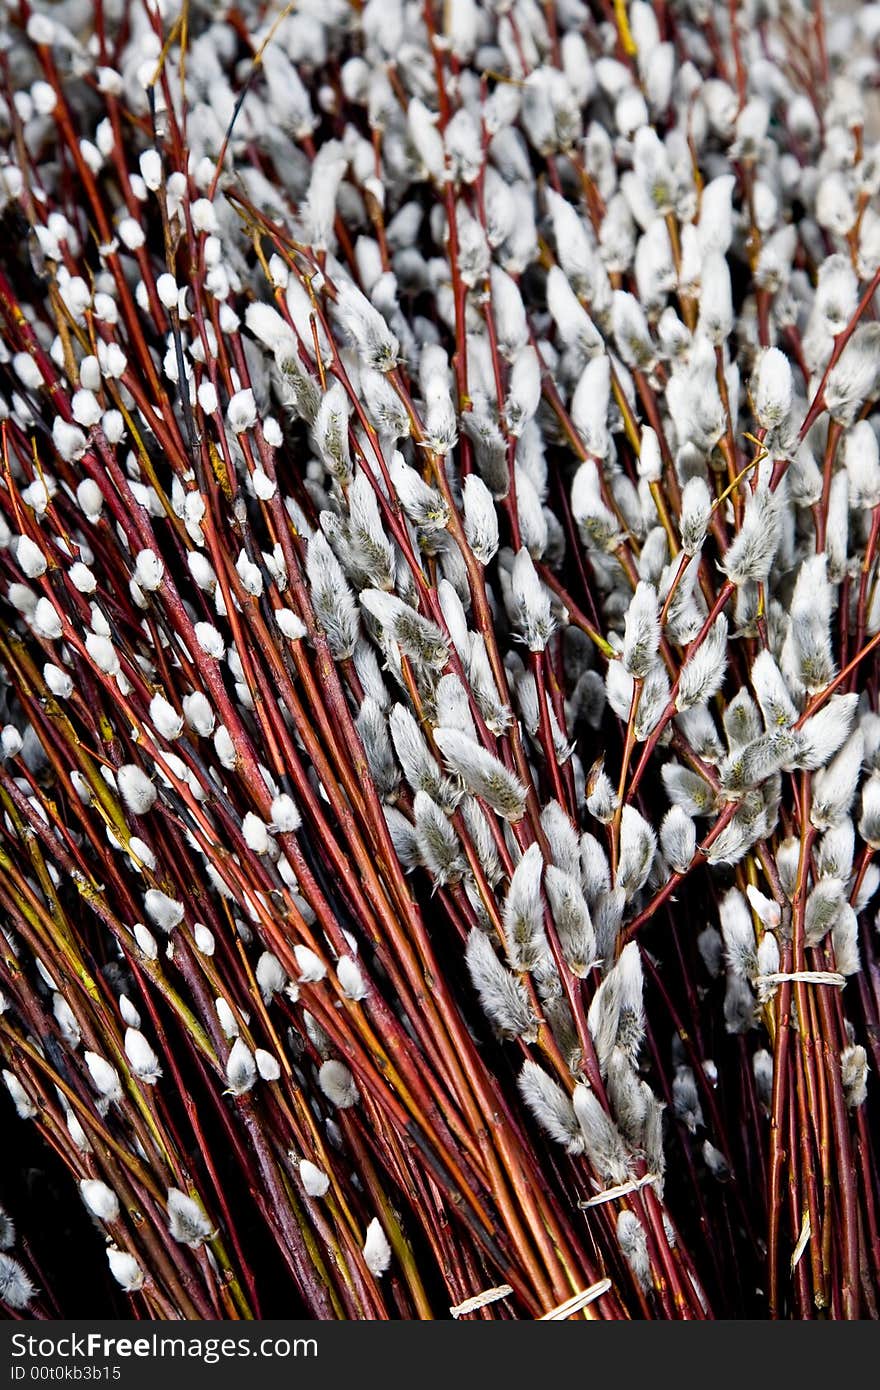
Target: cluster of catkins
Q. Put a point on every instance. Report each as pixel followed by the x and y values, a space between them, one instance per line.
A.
pixel 439 516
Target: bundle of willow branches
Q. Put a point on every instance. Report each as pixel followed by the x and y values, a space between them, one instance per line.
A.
pixel 439 609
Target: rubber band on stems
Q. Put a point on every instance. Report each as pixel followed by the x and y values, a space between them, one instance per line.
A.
pixel 480 1300
pixel 577 1302
pixel 804 977
pixel 623 1189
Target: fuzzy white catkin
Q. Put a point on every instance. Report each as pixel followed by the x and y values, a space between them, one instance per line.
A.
pixel 30 557
pixel 589 406
pixel 241 1069
pixel 129 1013
pixel 210 640
pixel 207 397
pixel 187 1220
pixel 136 789
pixel 312 968
pixel 426 138
pixel 751 553
pixel 291 626
pixel 100 1199
pixel 571 916
pixel 483 774
pixel 696 509
pixel 338 1084
pixel 256 833
pixel 105 1077
pixel 90 499
pixel 82 578
pixel 151 169
pixel 16 1286
pixel 422 503
pixel 502 996
pixel 285 816
pixel 633 1241
pixel 86 408
pixel 268 1066
pixel 716 303
pixel 862 458
pixel 314 1180
pixel 350 979
pixel 602 1142
pixel 774 389
pixel 146 941
pixel 642 633
pixel 165 912
pixel 143 1060
pixel 650 459
pixel 204 939
pixel 166 289
pixel 551 1107
pixel 125 1269
pixel 224 747
pixel 66 1020
pixel 377 1251
pixel 24 1106
pixel 198 713
pixel 149 570
pixel 703 672
pixel 46 620
pixel 242 411
pixel 165 719
pixel 678 839
pixel 376 344
pixel 637 845
pixel 524 391
pixel 271 975
pixel 523 912
pixel 480 518
pixel 532 610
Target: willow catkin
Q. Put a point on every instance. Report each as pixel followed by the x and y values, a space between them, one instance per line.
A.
pixel 438 596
